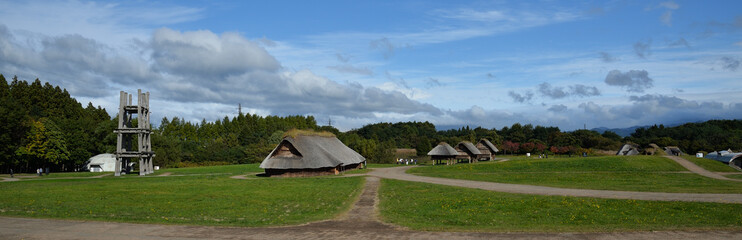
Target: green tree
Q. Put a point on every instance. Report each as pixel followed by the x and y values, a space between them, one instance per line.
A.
pixel 44 144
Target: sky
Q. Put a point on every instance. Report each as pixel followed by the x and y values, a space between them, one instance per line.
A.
pixel 570 64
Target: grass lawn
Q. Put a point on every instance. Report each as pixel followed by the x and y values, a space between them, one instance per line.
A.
pixel 425 206
pixel 384 165
pixel 222 169
pixel 628 173
pixel 711 165
pixel 735 176
pixel 198 199
pixel 57 175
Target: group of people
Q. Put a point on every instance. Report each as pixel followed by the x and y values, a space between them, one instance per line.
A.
pixel 40 171
pixel 406 161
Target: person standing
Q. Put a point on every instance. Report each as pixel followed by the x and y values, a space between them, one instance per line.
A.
pixel 11 172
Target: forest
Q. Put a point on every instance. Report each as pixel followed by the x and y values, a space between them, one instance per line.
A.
pixel 43 126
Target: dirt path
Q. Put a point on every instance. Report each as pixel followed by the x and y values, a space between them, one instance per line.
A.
pixel 699 170
pixel 361 222
pixel 10 179
pixel 399 174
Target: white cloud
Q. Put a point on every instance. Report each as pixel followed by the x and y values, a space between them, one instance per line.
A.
pixel 201 67
pixel 666 17
pixel 204 53
pixel 112 23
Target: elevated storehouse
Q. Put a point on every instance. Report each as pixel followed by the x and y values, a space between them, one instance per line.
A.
pixel 311 155
pixel 467 152
pixel 487 149
pixel 443 153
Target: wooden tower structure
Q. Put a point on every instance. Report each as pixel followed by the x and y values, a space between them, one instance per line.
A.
pixel 126 133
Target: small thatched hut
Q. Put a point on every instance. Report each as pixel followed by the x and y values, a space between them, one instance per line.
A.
pixel 467 152
pixel 443 153
pixel 628 150
pixel 673 150
pixel 310 155
pixel 487 149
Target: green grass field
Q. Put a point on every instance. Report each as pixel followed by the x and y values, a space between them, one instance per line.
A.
pixel 424 206
pixel 56 175
pixel 711 165
pixel 628 173
pixel 198 199
pixel 222 169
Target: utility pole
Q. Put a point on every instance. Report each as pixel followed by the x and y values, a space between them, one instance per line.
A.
pixel 329 122
pixel 239 108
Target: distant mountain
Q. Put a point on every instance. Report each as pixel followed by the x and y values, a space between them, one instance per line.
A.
pixel 623 132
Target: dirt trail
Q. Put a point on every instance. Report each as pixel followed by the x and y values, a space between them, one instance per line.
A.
pixel 10 179
pixel 699 170
pixel 361 222
pixel 399 174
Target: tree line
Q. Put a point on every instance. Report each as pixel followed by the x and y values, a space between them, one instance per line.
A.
pixel 43 126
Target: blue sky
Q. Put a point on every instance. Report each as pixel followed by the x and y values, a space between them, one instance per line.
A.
pixel 453 63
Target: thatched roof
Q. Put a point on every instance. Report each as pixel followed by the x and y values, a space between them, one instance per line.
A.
pixel 311 152
pixel 443 149
pixel 628 150
pixel 489 145
pixel 469 147
pixel 673 150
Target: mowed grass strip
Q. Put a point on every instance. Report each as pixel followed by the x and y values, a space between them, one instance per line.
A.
pixel 237 169
pixel 197 200
pixel 28 176
pixel 625 173
pixel 423 206
pixel 711 165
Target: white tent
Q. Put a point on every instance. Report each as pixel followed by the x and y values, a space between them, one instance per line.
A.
pixel 105 162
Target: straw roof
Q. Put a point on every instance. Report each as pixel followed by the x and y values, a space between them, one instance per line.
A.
pixel 443 149
pixel 628 149
pixel 313 152
pixel 489 145
pixel 469 147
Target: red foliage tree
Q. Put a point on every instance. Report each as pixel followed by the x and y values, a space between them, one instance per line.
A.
pixel 527 147
pixel 540 147
pixel 554 149
pixel 510 146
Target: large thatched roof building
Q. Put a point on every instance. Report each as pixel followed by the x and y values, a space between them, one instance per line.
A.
pixel 310 155
pixel 468 152
pixel 487 149
pixel 443 153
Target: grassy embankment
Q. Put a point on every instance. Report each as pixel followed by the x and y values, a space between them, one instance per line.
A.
pixel 425 206
pixel 632 173
pixel 206 196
